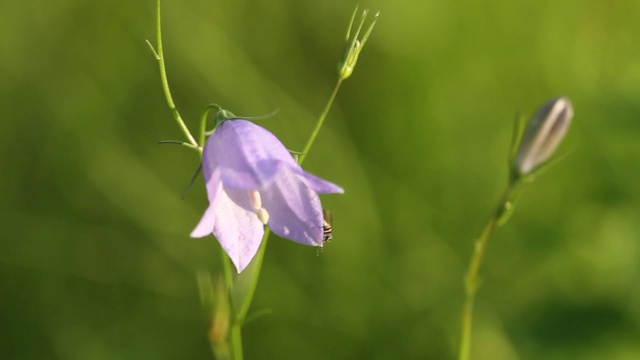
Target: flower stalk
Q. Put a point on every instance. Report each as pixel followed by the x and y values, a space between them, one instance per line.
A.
pixel 471 279
pixel 159 55
pixel 530 153
pixel 225 332
pixel 347 63
pixel 242 190
pixel 319 123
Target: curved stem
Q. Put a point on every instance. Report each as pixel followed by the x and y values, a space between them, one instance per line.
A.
pixel 203 123
pixel 321 119
pixel 165 82
pixel 471 279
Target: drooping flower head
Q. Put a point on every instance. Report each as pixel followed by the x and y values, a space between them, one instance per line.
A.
pixel 252 180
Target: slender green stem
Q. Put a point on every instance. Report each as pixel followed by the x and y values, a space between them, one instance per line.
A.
pixel 321 119
pixel 235 334
pixel 179 143
pixel 254 272
pixel 227 269
pixel 236 340
pixel 165 82
pixel 471 279
pixel 216 298
pixel 240 308
pixel 203 123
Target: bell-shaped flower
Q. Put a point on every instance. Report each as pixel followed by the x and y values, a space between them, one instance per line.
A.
pixel 252 180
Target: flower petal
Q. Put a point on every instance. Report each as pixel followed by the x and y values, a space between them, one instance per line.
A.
pixel 294 209
pixel 207 222
pixel 213 185
pixel 317 184
pixel 205 226
pixel 236 227
pixel 247 155
pixel 240 158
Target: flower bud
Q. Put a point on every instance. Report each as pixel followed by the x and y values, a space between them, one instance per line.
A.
pixel 353 46
pixel 543 134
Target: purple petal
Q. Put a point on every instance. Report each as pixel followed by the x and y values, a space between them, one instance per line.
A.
pixel 241 157
pixel 205 226
pixel 247 155
pixel 237 229
pixel 213 185
pixel 294 209
pixel 319 185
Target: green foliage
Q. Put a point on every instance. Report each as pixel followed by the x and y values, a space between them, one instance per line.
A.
pixel 95 258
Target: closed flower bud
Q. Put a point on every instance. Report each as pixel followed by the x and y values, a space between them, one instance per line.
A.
pixel 353 46
pixel 543 135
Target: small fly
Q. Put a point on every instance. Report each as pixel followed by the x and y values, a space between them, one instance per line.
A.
pixel 327 226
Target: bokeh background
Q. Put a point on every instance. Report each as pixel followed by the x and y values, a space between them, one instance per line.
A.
pixel 95 257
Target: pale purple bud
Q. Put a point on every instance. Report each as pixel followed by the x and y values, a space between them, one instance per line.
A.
pixel 543 134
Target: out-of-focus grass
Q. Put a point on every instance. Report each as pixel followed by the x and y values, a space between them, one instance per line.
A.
pixel 95 258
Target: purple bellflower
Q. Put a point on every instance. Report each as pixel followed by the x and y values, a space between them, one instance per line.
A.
pixel 252 180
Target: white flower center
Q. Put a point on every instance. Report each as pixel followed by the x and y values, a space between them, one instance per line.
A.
pixel 256 203
pixel 263 215
pixel 255 200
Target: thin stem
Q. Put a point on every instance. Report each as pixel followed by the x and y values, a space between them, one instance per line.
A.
pixel 165 82
pixel 176 142
pixel 321 119
pixel 243 309
pixel 236 340
pixel 471 279
pixel 235 334
pixel 203 123
pixel 239 311
pixel 227 269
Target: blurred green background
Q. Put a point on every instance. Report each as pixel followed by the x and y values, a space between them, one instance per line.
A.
pixel 96 260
